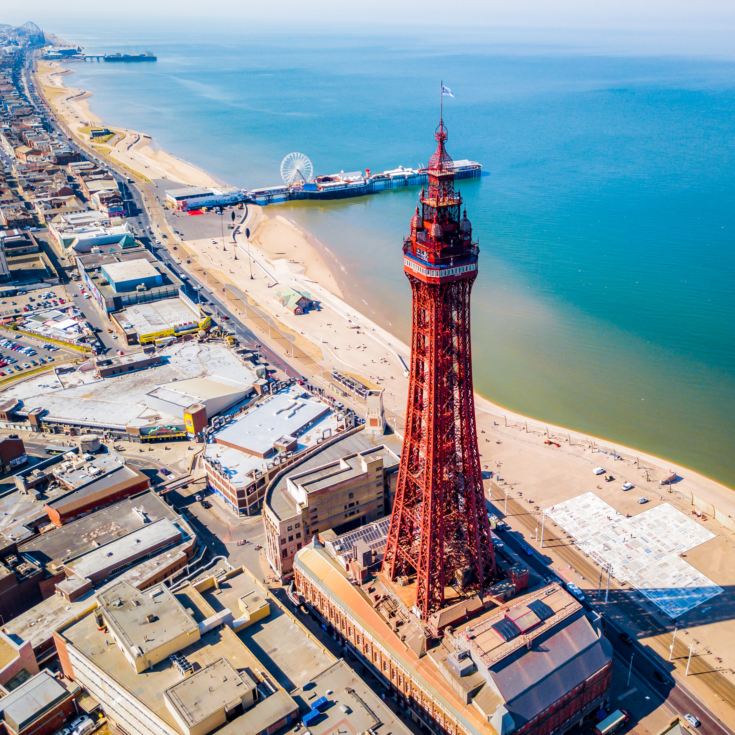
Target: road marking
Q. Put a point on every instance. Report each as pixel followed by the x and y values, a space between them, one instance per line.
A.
pixel 630 691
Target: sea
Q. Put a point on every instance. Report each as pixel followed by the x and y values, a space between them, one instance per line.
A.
pixel 606 215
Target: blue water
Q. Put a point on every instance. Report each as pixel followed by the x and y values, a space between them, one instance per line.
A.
pixel 606 223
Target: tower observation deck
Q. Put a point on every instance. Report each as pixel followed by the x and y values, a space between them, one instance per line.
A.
pixel 439 532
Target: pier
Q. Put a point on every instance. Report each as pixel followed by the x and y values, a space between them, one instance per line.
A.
pixel 120 58
pixel 344 185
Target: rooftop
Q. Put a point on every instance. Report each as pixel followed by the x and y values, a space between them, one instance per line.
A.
pixel 126 549
pixel 118 479
pixel 183 393
pixel 145 621
pixel 106 525
pixel 212 689
pixel 130 270
pixel 275 638
pixel 120 401
pixel 77 472
pixel 150 686
pixel 188 191
pixel 31 699
pixel 38 624
pixel 353 707
pixel 288 413
pixel 314 480
pixel 157 316
pixel 320 569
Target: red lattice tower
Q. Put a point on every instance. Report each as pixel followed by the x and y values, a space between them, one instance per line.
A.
pixel 439 529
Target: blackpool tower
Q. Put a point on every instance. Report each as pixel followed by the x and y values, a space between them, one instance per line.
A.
pixel 439 531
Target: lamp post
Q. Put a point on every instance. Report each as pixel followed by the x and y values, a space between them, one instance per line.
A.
pixel 671 647
pixel 689 660
pixel 250 258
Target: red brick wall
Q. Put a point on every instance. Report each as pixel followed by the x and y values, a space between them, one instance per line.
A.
pixel 63 654
pixel 60 516
pixel 53 720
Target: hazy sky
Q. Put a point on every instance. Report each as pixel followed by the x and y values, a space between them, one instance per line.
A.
pixel 635 15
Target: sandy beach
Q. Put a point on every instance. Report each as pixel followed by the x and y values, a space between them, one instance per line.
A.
pixel 536 472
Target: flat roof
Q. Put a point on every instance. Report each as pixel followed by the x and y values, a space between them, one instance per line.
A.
pixel 234 464
pixel 32 698
pixel 130 270
pixel 76 472
pixel 125 549
pixel 286 413
pixel 85 534
pixel 120 401
pixel 185 192
pixel 353 707
pixel 210 690
pixel 119 479
pixel 278 636
pixel 183 393
pixel 145 621
pixel 38 624
pixel 316 479
pixel 114 254
pixel 157 316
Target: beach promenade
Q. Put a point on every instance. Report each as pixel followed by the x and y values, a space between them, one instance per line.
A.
pixel 529 465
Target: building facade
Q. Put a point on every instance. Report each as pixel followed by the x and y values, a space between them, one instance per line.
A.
pixel 319 494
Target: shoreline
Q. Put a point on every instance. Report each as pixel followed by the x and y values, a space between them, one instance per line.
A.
pixel 318 266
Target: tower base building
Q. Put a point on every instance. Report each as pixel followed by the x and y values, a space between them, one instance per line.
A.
pixel 526 665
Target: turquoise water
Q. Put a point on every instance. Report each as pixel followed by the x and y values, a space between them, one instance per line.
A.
pixel 606 223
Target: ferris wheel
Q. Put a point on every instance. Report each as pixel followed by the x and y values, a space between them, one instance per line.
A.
pixel 296 168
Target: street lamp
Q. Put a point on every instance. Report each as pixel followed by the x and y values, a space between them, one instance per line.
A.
pixel 250 258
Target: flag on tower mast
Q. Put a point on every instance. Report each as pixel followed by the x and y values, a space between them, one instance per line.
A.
pixel 445 92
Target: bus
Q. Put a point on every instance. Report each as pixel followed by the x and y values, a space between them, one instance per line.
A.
pixel 612 722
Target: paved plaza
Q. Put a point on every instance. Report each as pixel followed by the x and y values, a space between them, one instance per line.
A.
pixel 643 551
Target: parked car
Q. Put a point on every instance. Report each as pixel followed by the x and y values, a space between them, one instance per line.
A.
pixel 575 591
pixel 692 720
pixel 82 725
pixel 642 501
pixel 628 485
pixel 599 471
